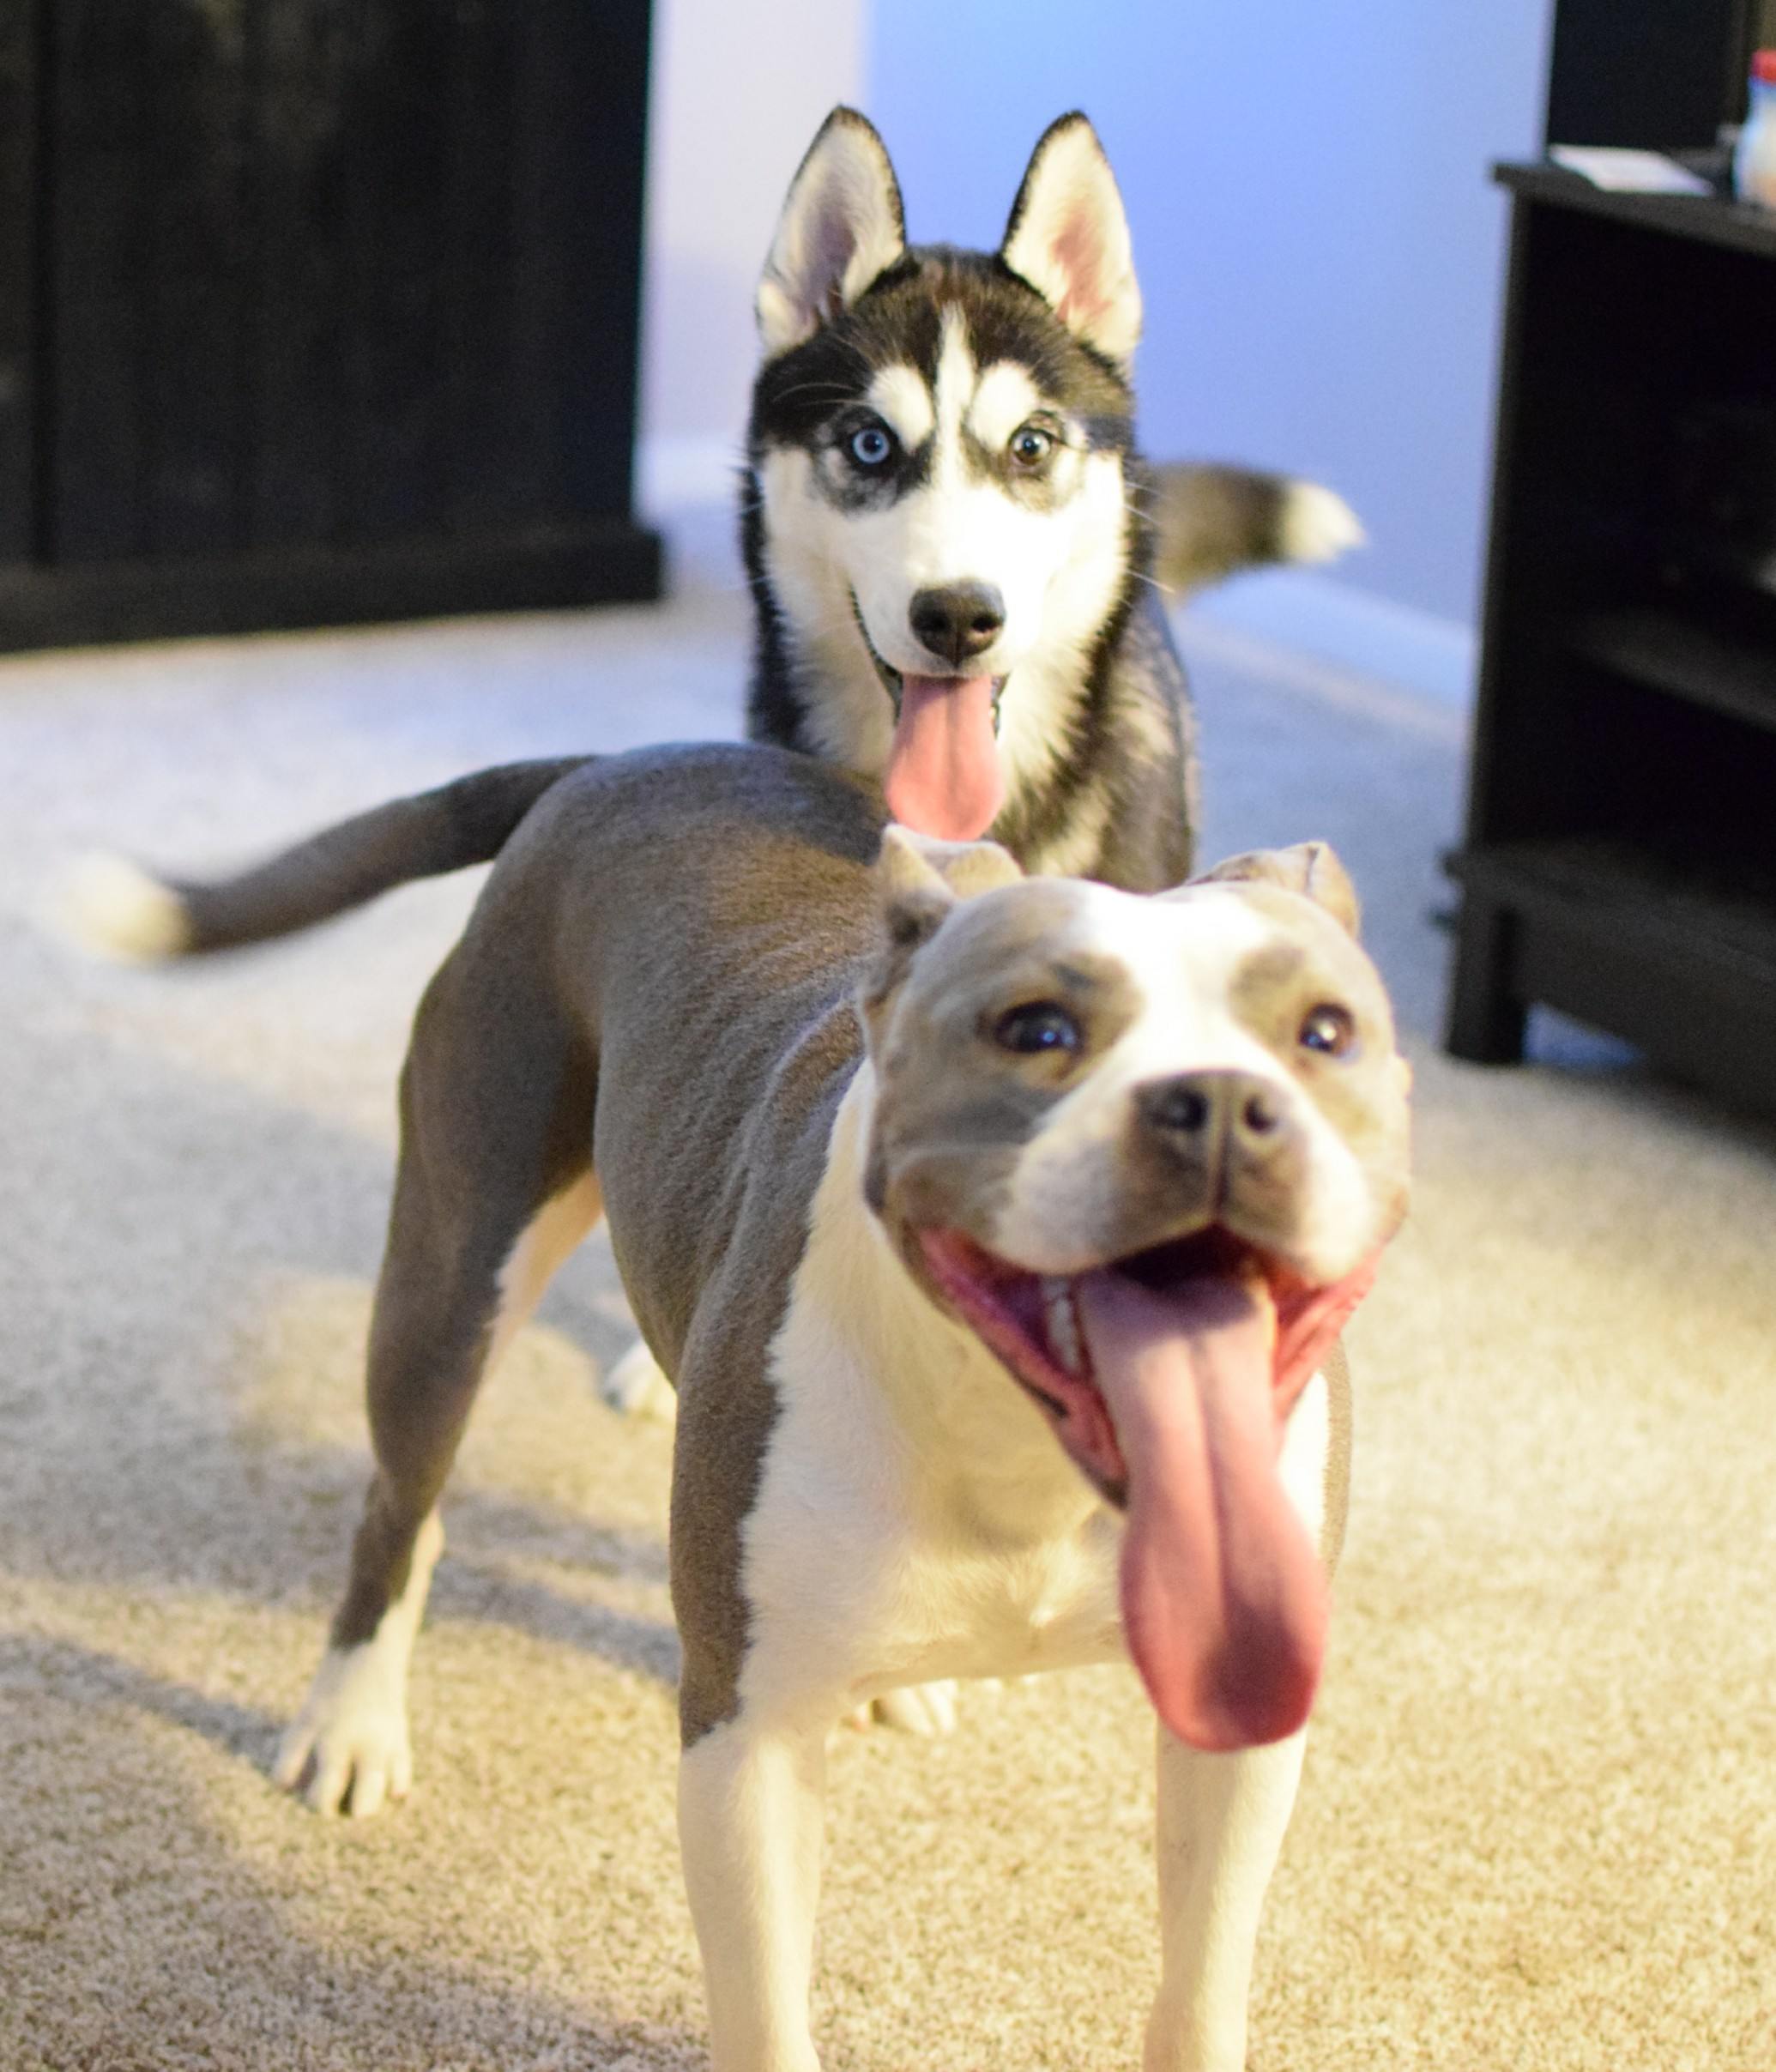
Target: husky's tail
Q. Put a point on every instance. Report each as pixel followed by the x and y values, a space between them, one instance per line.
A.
pixel 115 906
pixel 1209 521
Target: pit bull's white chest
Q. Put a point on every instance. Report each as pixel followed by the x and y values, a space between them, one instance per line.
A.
pixel 860 1579
pixel 939 1614
pixel 913 1518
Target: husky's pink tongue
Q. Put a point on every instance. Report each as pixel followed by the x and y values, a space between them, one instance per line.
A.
pixel 943 776
pixel 1223 1595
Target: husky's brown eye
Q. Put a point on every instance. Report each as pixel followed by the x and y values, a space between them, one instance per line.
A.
pixel 1032 446
pixel 1038 1025
pixel 1328 1029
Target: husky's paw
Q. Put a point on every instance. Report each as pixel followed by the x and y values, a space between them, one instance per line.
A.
pixel 634 1387
pixel 1317 524
pixel 348 1750
pixel 928 1709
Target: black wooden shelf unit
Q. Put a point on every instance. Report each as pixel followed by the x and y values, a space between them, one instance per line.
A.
pixel 314 314
pixel 1619 861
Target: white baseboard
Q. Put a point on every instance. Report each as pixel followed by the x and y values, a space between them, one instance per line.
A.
pixel 1335 621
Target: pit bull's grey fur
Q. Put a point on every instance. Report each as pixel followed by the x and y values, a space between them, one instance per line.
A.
pixel 659 1010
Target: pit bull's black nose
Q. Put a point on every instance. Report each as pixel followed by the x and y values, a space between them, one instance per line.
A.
pixel 1210 1106
pixel 963 618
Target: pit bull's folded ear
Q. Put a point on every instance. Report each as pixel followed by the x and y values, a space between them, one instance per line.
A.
pixel 918 880
pixel 1068 238
pixel 842 226
pixel 1311 868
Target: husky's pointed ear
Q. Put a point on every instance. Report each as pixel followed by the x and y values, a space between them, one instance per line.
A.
pixel 919 882
pixel 842 226
pixel 1068 238
pixel 1311 868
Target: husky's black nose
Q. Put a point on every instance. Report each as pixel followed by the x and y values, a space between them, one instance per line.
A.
pixel 961 619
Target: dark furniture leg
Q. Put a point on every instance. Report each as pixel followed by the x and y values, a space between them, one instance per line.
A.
pixel 1486 1021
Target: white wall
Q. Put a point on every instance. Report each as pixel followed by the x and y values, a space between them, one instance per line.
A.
pixel 739 88
pixel 1319 244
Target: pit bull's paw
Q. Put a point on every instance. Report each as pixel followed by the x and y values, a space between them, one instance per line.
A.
pixel 348 1750
pixel 921 1708
pixel 634 1387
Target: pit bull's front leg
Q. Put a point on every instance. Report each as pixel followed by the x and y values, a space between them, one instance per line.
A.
pixel 1221 1820
pixel 750 1804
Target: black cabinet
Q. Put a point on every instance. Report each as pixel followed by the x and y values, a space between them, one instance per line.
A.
pixel 1620 855
pixel 316 310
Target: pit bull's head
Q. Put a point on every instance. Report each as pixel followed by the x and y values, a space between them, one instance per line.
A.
pixel 1150 1150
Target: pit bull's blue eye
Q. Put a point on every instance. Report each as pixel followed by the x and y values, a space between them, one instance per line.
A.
pixel 871 446
pixel 1041 1025
pixel 1329 1031
pixel 1032 446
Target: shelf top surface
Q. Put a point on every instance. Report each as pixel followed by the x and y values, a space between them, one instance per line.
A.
pixel 1705 219
pixel 1630 895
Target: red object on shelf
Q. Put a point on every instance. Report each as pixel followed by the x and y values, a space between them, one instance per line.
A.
pixel 1763 66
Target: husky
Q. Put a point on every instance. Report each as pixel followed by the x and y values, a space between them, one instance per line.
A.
pixel 954 544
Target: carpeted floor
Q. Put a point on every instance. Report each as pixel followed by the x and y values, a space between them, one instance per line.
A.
pixel 1539 1829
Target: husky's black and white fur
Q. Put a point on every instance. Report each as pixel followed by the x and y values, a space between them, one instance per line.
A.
pixel 949 535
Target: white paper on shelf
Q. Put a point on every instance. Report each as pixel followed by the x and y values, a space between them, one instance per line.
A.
pixel 1628 172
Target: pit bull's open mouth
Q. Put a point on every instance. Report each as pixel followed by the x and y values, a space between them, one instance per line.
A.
pixel 1169 1375
pixel 942 777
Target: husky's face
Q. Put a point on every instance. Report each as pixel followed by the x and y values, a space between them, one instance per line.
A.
pixel 938 448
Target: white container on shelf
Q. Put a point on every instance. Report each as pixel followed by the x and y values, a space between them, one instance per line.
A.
pixel 1755 156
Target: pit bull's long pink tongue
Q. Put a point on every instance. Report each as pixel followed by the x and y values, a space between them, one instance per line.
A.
pixel 943 775
pixel 1224 1596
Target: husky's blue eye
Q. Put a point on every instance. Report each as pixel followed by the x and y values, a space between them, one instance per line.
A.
pixel 871 446
pixel 1041 1025
pixel 1032 446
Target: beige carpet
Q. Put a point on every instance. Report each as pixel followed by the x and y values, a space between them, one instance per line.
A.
pixel 1539 1828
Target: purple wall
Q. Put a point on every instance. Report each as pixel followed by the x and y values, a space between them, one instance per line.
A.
pixel 1319 248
